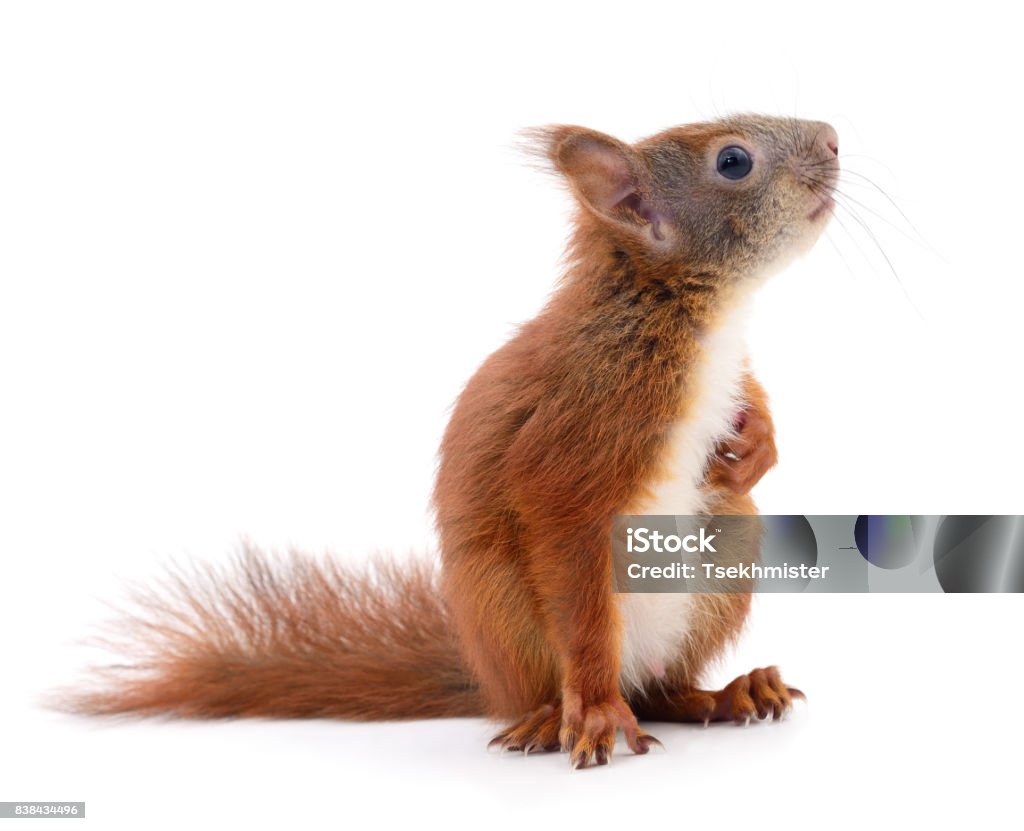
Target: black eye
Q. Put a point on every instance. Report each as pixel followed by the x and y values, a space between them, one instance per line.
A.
pixel 734 162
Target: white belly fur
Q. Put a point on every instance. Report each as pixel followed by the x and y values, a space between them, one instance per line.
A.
pixel 655 626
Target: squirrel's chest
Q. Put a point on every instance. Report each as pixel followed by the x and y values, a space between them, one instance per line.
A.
pixel 655 626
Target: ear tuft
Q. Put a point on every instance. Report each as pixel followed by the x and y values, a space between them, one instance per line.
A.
pixel 539 144
pixel 596 165
pixel 606 175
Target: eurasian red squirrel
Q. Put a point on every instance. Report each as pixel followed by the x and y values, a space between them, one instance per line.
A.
pixel 628 394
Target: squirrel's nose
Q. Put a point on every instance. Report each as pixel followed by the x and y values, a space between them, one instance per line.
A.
pixel 830 138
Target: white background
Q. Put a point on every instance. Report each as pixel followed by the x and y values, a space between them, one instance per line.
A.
pixel 250 252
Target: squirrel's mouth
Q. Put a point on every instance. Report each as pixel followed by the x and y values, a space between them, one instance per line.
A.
pixel 824 208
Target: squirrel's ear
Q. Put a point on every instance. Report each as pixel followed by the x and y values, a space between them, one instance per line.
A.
pixel 607 176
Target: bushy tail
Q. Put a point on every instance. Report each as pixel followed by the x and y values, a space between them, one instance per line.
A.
pixel 286 636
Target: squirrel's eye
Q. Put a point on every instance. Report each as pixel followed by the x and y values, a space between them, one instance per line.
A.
pixel 734 162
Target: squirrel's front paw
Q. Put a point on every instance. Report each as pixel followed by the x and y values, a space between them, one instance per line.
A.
pixel 761 693
pixel 588 730
pixel 741 460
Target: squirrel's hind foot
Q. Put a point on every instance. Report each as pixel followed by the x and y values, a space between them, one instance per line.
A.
pixel 536 732
pixel 586 733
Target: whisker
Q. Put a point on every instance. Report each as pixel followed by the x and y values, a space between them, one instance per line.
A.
pixel 853 239
pixel 835 189
pixel 871 235
pixel 871 183
pixel 820 188
pixel 917 237
pixel 842 259
pixel 871 159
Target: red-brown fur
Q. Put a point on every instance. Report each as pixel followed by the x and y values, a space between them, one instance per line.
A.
pixel 287 636
pixel 559 430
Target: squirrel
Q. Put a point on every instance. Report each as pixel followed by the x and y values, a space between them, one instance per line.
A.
pixel 629 393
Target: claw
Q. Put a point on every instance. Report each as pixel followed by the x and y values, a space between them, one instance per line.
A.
pixel 642 742
pixel 645 742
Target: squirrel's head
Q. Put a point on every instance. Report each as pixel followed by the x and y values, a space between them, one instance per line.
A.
pixel 739 196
